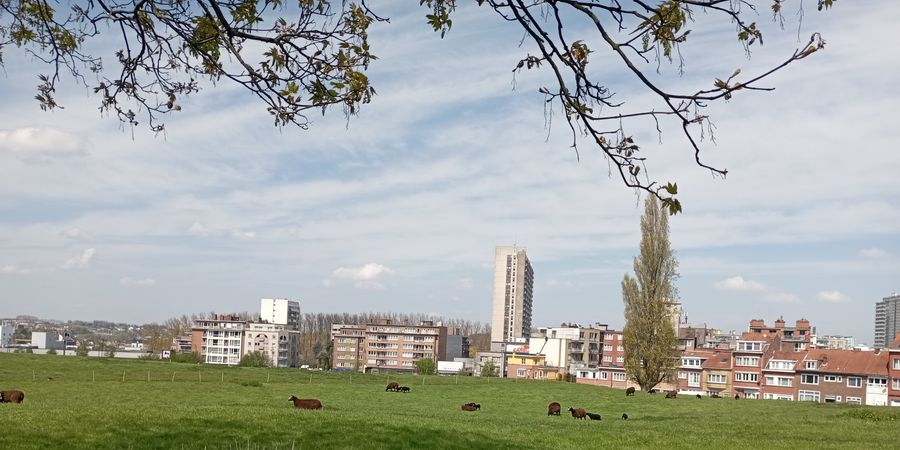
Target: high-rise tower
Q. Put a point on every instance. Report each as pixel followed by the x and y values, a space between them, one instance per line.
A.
pixel 887 320
pixel 513 281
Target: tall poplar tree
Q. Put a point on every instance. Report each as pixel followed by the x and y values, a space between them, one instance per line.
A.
pixel 649 337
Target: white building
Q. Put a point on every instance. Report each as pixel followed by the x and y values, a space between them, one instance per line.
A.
pixel 46 340
pixel 219 340
pixel 512 297
pixel 6 335
pixel 277 341
pixel 280 311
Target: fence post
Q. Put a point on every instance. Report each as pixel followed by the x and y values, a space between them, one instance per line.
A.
pixel 223 376
pixel 173 376
pixel 200 375
pixel 268 376
pixel 457 378
pixel 148 376
pixel 32 374
pixel 93 376
pixel 123 376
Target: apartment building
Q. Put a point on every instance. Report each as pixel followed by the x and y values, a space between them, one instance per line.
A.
pixel 717 376
pixel 844 376
pixel 512 296
pixel 887 320
pixel 386 345
pixel 836 342
pixel 613 377
pixel 689 373
pixel 348 347
pixel 219 340
pixel 280 311
pixel 532 367
pixel 280 342
pixel 570 347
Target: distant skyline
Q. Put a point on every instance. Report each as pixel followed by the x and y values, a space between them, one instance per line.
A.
pixel 400 208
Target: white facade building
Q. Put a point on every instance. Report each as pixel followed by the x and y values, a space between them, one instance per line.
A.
pixel 512 296
pixel 221 340
pixel 280 311
pixel 46 340
pixel 277 341
pixel 6 335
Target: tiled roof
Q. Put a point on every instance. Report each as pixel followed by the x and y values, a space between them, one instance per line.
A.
pixel 850 362
pixel 719 360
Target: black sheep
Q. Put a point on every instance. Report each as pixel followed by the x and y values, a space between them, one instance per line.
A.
pixel 593 416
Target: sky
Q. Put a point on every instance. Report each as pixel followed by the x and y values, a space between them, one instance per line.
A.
pixel 400 208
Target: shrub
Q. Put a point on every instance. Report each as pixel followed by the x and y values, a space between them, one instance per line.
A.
pixel 255 359
pixel 425 366
pixel 187 358
pixel 149 357
pixel 488 369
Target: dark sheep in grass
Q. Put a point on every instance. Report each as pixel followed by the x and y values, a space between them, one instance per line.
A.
pixel 403 389
pixel 553 409
pixel 578 413
pixel 593 416
pixel 392 386
pixel 653 391
pixel 714 395
pixel 699 396
pixel 629 391
pixel 306 403
pixel 471 407
pixel 737 397
pixel 671 394
pixel 624 416
pixel 12 396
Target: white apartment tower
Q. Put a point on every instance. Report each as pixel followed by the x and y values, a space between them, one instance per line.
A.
pixel 280 311
pixel 887 320
pixel 513 281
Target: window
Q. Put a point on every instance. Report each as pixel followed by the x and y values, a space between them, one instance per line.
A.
pixel 618 376
pixel 520 373
pixel 854 400
pixel 749 346
pixel 853 382
pixel 604 375
pixel 683 375
pixel 607 358
pixel 808 396
pixel 809 379
pixel 607 348
pixel 799 346
pixel 694 379
pixel 832 399
pixel 833 378
pixel 779 381
pixel 811 365
pixel 771 396
pixel 694 362
pixel 620 359
pixel 777 364
pixel 895 384
pixel 897 363
pixel 716 378
pixel 747 361
pixel 879 382
pixel 746 376
pixel 620 348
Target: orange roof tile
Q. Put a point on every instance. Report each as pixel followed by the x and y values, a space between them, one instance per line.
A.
pixel 850 362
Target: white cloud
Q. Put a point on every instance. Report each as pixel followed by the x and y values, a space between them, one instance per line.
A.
pixel 146 282
pixel 367 276
pixel 198 229
pixel 14 270
pixel 39 143
pixel 82 261
pixel 738 283
pixel 240 234
pixel 832 297
pixel 77 234
pixel 873 253
pixel 781 297
pixel 466 283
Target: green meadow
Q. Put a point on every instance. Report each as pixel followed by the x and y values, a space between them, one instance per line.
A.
pixel 94 403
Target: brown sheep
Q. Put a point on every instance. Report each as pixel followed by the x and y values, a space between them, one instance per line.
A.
pixel 629 391
pixel 578 413
pixel 553 409
pixel 12 396
pixel 306 403
pixel 671 394
pixel 471 407
pixel 392 386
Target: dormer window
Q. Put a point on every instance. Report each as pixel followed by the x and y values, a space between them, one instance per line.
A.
pixel 812 365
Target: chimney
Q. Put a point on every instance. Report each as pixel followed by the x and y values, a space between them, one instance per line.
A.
pixel 779 323
pixel 802 323
pixel 757 323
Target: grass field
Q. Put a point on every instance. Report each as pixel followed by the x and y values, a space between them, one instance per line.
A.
pixel 87 405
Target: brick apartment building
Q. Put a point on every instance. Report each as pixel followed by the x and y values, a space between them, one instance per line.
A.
pixel 894 372
pixel 386 345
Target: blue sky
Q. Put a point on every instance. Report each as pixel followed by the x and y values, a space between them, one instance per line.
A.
pixel 401 209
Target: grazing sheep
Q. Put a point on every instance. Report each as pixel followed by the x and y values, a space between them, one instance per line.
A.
pixel 471 407
pixel 671 394
pixel 578 413
pixel 306 403
pixel 392 386
pixel 714 395
pixel 629 391
pixel 624 416
pixel 403 389
pixel 553 409
pixel 12 396
pixel 593 416
pixel 653 391
pixel 699 396
pixel 737 397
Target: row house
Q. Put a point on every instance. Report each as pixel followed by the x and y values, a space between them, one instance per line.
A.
pixel 690 372
pixel 613 377
pixel 843 376
pixel 532 367
pixel 894 372
pixel 385 345
pixel 705 372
